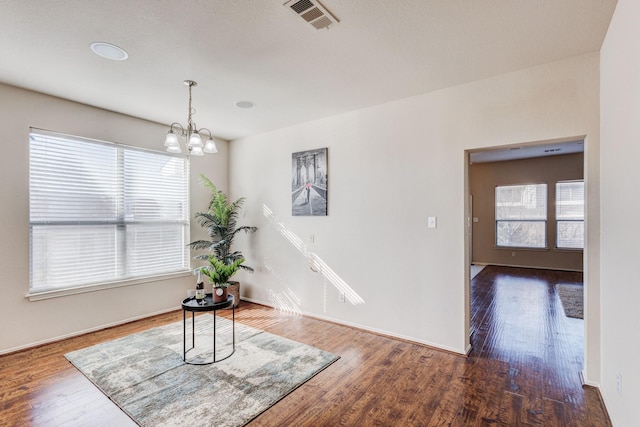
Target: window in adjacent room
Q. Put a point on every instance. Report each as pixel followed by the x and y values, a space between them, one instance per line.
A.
pixel 103 212
pixel 521 216
pixel 570 214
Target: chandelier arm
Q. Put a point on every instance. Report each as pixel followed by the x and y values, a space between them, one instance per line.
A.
pixel 205 130
pixel 178 126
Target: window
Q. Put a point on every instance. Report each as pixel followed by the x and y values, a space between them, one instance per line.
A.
pixel 570 214
pixel 521 216
pixel 103 212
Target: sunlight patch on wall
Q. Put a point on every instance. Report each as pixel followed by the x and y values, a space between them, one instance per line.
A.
pixel 316 264
pixel 319 266
pixel 286 301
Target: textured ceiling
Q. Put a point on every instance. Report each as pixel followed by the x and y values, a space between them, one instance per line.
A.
pixel 258 50
pixel 527 151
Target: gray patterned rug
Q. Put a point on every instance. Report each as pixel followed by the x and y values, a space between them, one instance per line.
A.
pixel 571 297
pixel 145 376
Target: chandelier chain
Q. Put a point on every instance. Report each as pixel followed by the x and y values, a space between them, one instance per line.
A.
pixel 190 125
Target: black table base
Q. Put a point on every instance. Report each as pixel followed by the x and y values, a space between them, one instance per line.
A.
pixel 190 304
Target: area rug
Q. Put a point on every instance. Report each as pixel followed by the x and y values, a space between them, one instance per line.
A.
pixel 145 376
pixel 571 297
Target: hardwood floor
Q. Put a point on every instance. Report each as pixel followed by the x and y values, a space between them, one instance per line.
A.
pixel 524 369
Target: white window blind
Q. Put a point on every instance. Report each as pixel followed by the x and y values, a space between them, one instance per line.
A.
pixel 103 212
pixel 521 216
pixel 570 214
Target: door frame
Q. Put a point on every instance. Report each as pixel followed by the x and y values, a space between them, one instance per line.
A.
pixel 592 343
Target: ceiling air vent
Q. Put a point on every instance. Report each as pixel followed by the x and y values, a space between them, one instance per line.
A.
pixel 312 12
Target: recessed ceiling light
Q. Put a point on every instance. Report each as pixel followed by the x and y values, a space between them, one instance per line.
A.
pixel 245 104
pixel 109 51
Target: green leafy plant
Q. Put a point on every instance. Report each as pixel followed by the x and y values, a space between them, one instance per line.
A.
pixel 218 272
pixel 220 222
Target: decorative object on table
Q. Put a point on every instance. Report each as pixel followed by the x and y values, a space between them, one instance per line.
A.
pixel 219 274
pixel 220 222
pixel 200 289
pixel 155 387
pixel 233 288
pixel 309 183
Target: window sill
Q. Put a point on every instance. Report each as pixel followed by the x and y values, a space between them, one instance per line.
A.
pixel 55 293
pixel 520 248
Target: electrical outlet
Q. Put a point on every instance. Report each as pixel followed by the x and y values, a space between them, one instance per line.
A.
pixel 619 383
pixel 341 297
pixel 513 254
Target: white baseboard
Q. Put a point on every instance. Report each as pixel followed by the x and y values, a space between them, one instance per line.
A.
pixel 325 318
pixel 84 331
pixel 583 377
pixel 369 329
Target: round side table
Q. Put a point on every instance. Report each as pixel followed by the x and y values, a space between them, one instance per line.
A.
pixel 190 304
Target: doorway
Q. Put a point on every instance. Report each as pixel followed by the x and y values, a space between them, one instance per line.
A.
pixel 477 211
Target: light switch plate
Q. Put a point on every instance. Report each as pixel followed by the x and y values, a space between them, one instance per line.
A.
pixel 432 222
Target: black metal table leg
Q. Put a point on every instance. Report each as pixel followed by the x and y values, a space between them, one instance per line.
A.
pixel 192 305
pixel 184 335
pixel 214 336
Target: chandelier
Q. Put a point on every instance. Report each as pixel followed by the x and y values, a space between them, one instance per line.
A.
pixel 191 134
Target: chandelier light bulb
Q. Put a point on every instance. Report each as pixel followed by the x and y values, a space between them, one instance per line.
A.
pixel 174 149
pixel 195 141
pixel 171 140
pixel 210 146
pixel 197 151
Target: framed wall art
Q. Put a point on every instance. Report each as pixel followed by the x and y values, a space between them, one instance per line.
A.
pixel 309 183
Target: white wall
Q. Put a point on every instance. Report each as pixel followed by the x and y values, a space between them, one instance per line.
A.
pixel 390 167
pixel 620 112
pixel 25 323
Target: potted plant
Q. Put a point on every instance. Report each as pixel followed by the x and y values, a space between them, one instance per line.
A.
pixel 220 223
pixel 219 274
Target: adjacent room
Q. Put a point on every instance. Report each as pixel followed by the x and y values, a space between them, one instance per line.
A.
pixel 527 241
pixel 304 212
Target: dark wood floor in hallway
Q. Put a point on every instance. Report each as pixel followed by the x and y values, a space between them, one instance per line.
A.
pixel 524 369
pixel 518 324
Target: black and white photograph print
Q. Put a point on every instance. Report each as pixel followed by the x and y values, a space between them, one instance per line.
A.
pixel 309 183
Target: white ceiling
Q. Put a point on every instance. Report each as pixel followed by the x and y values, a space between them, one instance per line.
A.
pixel 258 50
pixel 527 151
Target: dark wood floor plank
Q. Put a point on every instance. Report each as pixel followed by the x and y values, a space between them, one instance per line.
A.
pixel 510 410
pixel 553 413
pixel 449 403
pixel 523 370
